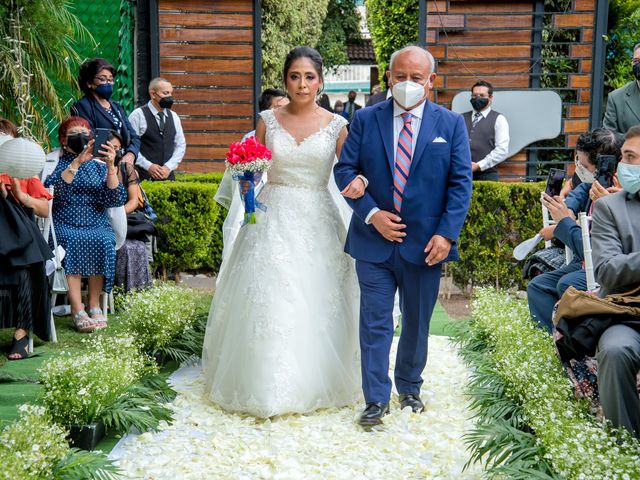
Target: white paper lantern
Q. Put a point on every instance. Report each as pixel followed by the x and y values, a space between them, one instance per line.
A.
pixel 21 158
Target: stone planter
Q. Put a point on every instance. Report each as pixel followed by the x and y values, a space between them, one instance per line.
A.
pixel 86 437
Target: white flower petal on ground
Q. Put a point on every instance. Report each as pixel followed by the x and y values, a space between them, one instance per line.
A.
pixel 206 442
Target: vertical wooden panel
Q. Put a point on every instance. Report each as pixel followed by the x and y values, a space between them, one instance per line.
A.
pixel 207 50
pixel 491 40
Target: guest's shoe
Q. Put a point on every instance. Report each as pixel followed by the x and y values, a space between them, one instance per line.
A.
pixel 19 348
pixel 411 400
pixel 372 414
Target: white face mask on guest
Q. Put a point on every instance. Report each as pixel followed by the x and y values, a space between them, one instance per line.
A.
pixel 584 175
pixel 408 94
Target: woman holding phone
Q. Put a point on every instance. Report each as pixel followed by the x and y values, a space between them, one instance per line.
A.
pixel 96 80
pixel 83 191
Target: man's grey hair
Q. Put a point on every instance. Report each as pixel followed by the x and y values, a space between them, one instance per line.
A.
pixel 635 47
pixel 408 48
pixel 153 84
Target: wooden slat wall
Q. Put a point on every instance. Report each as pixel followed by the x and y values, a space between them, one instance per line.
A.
pixel 206 52
pixel 491 40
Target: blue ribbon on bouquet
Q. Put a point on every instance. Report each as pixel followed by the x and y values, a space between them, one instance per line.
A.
pixel 248 195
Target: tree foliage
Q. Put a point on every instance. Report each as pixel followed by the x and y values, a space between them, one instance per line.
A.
pixel 287 24
pixel 341 26
pixel 38 45
pixel 393 24
pixel 624 24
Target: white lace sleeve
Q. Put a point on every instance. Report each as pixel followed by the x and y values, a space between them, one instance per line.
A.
pixel 338 123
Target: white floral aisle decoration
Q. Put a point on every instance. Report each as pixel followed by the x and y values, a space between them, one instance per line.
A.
pixel 206 442
pixel 33 447
pixel 529 423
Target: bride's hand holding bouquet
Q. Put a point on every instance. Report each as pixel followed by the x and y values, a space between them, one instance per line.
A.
pixel 246 162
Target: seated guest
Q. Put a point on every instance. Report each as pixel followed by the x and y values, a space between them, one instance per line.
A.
pixel 132 263
pixel 24 288
pixel 96 79
pixel 545 290
pixel 83 190
pixel 615 237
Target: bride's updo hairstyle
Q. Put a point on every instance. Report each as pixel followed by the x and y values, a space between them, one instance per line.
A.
pixel 303 52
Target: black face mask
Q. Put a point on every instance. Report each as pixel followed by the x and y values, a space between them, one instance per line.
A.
pixel 636 71
pixel 166 102
pixel 479 103
pixel 77 142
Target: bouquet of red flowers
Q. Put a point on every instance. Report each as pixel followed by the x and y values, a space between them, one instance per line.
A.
pixel 247 161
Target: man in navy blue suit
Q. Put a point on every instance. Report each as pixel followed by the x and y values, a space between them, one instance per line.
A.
pixel 415 155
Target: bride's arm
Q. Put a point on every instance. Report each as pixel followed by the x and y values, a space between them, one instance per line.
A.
pixel 261 132
pixel 356 188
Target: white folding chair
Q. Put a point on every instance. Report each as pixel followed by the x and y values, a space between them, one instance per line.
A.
pixel 45 227
pixel 588 258
pixel 547 222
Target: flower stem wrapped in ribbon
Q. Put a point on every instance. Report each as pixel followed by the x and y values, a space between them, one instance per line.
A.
pixel 247 161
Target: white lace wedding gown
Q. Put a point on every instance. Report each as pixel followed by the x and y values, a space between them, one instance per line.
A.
pixel 282 335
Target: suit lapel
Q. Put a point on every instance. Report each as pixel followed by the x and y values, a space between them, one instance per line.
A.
pixel 633 99
pixel 430 118
pixel 102 112
pixel 385 124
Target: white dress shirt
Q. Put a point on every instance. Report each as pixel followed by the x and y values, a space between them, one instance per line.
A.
pixel 139 124
pixel 501 137
pixel 398 124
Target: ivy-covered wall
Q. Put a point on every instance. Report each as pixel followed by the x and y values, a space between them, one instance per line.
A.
pixel 392 24
pixel 286 24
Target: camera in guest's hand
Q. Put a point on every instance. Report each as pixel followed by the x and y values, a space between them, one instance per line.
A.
pixel 554 182
pixel 102 137
pixel 606 169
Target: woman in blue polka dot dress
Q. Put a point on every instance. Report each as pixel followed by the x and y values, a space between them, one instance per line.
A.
pixel 83 190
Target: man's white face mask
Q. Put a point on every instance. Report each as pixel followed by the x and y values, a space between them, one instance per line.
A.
pixel 408 94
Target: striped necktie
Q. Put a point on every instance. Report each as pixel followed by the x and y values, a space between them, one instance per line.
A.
pixel 476 118
pixel 403 161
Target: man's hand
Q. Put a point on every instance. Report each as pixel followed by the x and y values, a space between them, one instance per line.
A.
pixel 389 226
pixel 475 167
pixel 437 249
pixel 355 189
pixel 165 172
pixel 129 158
pixel 557 209
pixel 156 172
pixel 3 190
pixel 547 232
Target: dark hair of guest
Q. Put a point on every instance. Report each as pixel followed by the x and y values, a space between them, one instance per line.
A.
pixel 89 70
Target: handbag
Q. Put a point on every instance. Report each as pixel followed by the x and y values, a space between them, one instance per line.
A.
pixel 59 283
pixel 139 226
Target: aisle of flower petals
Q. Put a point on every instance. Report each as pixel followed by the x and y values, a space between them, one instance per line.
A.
pixel 206 443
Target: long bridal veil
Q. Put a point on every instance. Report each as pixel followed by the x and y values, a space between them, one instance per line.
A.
pixel 229 197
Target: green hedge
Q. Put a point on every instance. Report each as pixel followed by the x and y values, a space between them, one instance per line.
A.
pixel 500 217
pixel 189 222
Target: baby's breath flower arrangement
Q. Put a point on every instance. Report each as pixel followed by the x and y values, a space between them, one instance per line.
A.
pixel 33 448
pixel 157 316
pixel 529 419
pixel 79 387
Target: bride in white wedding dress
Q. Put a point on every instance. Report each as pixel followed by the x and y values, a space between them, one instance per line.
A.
pixel 282 335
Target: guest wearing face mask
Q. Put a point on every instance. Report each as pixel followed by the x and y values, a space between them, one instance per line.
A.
pixel 96 79
pixel 83 191
pixel 338 107
pixel 616 258
pixel 488 133
pixel 162 140
pixel 623 104
pixel 545 290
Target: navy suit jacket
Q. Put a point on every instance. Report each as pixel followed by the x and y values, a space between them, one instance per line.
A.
pixel 89 109
pixel 437 194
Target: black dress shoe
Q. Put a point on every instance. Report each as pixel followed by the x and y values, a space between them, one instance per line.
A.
pixel 411 400
pixel 373 413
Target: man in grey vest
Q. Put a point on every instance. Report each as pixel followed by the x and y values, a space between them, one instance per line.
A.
pixel 162 142
pixel 488 133
pixel 623 104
